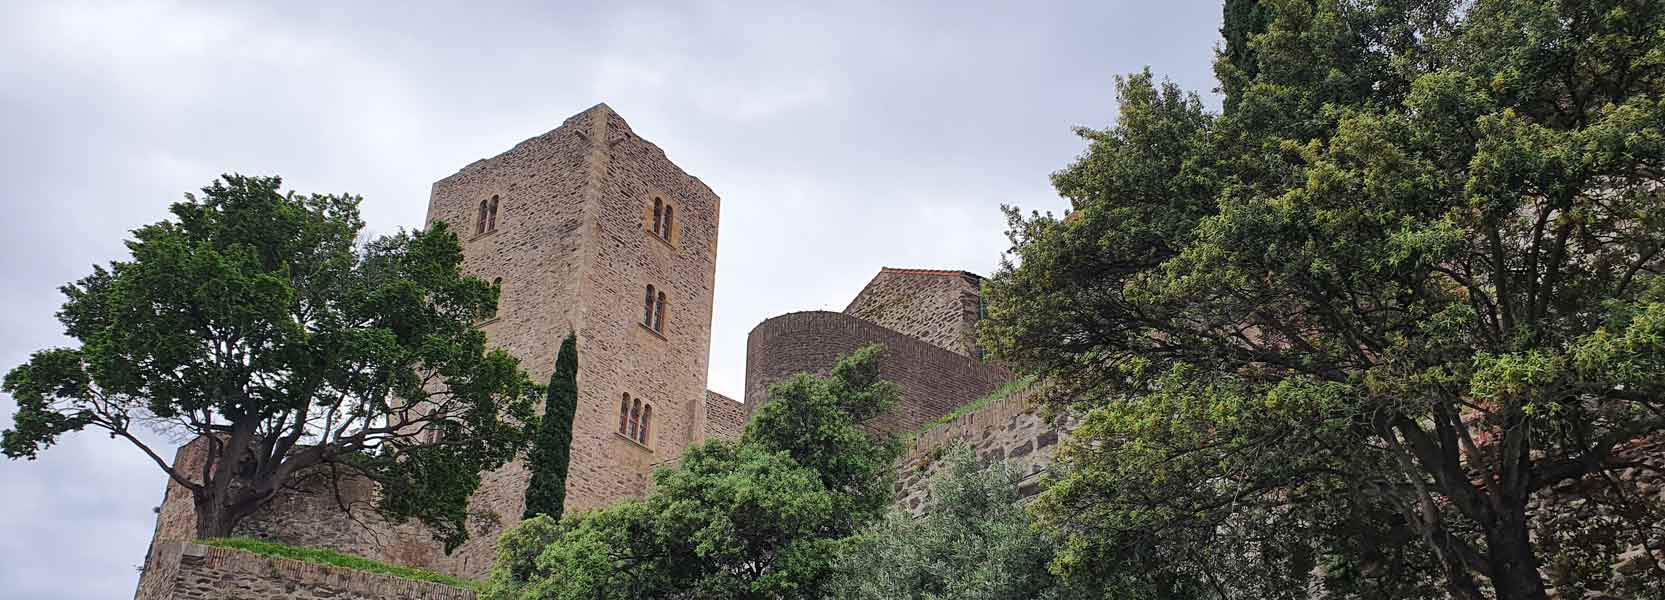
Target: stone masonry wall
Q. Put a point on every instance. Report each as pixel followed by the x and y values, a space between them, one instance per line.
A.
pixel 187 571
pixel 308 515
pixel 938 307
pixel 537 250
pixel 1010 429
pixel 666 370
pixel 934 381
pixel 726 418
pixel 575 248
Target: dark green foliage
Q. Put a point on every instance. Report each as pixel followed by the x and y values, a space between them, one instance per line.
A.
pixel 337 559
pixel 253 321
pixel 975 542
pixel 1244 19
pixel 1410 279
pixel 753 519
pixel 546 493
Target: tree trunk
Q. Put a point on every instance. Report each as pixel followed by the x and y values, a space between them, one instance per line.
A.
pixel 1514 565
pixel 214 519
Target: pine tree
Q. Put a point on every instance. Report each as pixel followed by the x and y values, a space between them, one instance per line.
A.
pixel 546 493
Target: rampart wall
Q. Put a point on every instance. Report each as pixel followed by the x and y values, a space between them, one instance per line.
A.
pixel 1012 428
pixel 725 417
pixel 308 513
pixel 934 381
pixel 187 571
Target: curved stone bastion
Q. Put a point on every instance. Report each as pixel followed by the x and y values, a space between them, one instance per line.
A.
pixel 934 381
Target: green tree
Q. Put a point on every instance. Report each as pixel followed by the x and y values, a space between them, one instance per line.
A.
pixel 752 519
pixel 251 320
pixel 1243 20
pixel 1410 280
pixel 546 493
pixel 975 542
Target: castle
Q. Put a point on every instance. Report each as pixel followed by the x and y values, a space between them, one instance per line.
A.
pixel 591 229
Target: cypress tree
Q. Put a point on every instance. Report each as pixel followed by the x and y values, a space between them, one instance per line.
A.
pixel 546 493
pixel 1244 19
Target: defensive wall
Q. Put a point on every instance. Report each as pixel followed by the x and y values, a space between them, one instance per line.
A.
pixel 188 571
pixel 1014 428
pixel 725 417
pixel 934 381
pixel 309 512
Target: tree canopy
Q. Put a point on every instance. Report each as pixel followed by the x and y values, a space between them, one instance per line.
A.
pixel 252 322
pixel 1410 279
pixel 755 518
pixel 974 542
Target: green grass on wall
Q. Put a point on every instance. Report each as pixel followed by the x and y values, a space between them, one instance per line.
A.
pixel 1012 387
pixel 337 559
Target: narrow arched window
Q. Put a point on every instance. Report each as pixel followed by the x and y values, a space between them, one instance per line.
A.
pixel 647 307
pixel 480 221
pixel 669 213
pixel 624 415
pixel 491 217
pixel 659 313
pixel 635 418
pixel 647 422
pixel 658 211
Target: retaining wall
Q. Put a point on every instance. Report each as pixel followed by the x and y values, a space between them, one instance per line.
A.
pixel 1012 429
pixel 187 571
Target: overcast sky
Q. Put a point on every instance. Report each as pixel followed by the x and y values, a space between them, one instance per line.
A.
pixel 841 136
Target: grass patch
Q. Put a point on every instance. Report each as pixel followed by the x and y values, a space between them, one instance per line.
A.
pixel 333 558
pixel 1001 393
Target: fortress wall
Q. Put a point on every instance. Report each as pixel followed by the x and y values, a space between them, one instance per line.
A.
pixel 934 381
pixel 726 418
pixel 1010 429
pixel 308 515
pixel 176 517
pixel 937 307
pixel 186 571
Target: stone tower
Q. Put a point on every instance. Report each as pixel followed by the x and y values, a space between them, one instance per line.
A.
pixel 576 225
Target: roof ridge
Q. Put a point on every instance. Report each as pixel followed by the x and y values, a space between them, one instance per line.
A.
pixel 940 272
